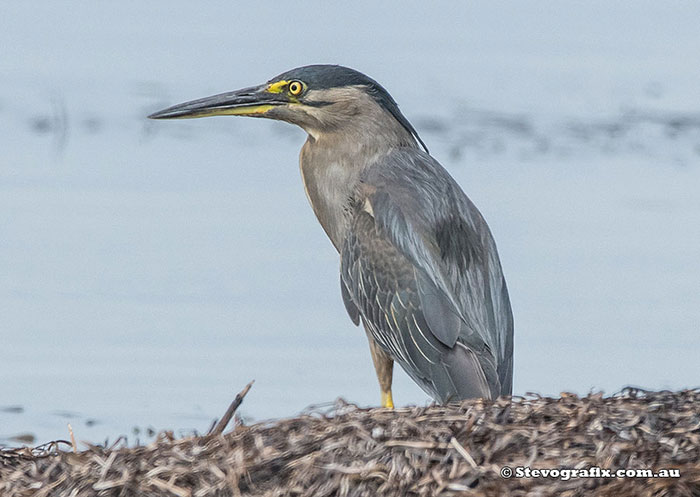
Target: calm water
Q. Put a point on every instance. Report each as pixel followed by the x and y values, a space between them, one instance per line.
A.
pixel 149 270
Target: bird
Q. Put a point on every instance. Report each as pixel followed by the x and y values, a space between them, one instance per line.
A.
pixel 419 266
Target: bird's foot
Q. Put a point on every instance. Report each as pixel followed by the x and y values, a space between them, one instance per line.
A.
pixel 387 400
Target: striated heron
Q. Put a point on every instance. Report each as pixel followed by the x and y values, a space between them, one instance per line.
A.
pixel 418 264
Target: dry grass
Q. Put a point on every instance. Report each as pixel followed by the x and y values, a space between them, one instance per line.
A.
pixel 450 450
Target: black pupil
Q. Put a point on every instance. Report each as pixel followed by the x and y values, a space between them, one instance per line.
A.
pixel 295 87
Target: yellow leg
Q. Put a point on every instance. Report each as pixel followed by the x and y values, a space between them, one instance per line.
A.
pixel 384 367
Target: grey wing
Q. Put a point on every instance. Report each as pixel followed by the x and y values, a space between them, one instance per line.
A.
pixel 420 267
pixel 388 292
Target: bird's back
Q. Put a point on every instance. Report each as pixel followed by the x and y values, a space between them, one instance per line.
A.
pixel 420 268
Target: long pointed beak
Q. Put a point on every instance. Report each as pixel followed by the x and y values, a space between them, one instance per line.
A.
pixel 253 101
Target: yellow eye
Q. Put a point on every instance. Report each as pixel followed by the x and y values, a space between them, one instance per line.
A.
pixel 295 87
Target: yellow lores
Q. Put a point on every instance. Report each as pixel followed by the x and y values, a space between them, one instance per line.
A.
pixel 277 86
pixel 293 88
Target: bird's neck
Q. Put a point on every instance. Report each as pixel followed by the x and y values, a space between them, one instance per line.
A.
pixel 331 168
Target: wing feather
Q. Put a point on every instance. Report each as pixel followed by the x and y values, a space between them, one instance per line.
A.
pixel 420 267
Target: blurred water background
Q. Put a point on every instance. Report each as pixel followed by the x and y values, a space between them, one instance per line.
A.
pixel 149 270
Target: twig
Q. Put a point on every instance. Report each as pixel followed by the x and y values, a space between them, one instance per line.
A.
pixel 415 444
pixel 466 455
pixel 72 439
pixel 221 425
pixel 164 485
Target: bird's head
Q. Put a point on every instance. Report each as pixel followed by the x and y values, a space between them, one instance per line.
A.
pixel 319 98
